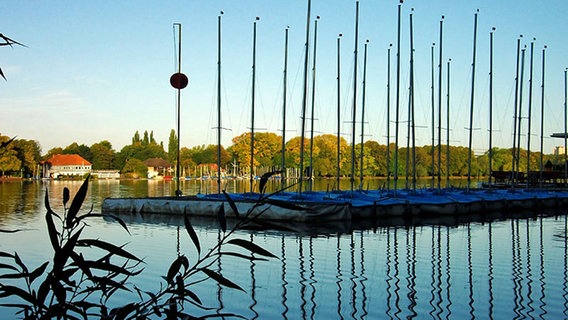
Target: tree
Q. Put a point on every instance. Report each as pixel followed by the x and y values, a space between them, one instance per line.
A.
pixel 136 138
pixel 135 168
pixel 267 145
pixel 8 156
pixel 52 152
pixel 102 155
pixel 82 150
pixel 29 153
pixel 173 147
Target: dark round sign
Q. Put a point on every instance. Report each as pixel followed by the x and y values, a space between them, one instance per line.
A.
pixel 179 80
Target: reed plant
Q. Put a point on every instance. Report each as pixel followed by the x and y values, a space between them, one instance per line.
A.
pixel 84 274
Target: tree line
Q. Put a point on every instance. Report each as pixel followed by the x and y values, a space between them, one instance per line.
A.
pixel 21 157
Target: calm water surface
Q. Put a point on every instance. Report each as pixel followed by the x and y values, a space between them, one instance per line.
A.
pixel 502 269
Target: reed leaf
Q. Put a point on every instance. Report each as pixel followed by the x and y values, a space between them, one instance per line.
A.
pixel 232 204
pixel 6 291
pixel 7 266
pixel 20 262
pixel 254 248
pixel 175 267
pixel 76 203
pixel 239 255
pixel 5 254
pixel 191 232
pixel 220 279
pixel 124 311
pixel 61 256
pixel 52 231
pixel 38 272
pixel 103 266
pixel 111 248
pixel 65 196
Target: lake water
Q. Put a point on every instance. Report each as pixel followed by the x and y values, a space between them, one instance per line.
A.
pixel 501 269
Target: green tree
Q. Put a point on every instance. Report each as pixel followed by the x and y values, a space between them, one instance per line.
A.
pixel 136 137
pixel 52 152
pixel 173 147
pixel 29 153
pixel 9 161
pixel 80 149
pixel 135 168
pixel 103 155
pixel 266 147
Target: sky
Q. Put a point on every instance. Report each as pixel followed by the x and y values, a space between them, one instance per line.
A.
pixel 99 70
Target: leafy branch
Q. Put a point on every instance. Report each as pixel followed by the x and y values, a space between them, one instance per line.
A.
pixel 5 41
pixel 86 273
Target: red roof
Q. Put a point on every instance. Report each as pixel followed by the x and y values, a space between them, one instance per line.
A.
pixel 68 160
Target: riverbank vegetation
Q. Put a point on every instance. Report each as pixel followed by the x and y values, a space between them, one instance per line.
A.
pixel 22 157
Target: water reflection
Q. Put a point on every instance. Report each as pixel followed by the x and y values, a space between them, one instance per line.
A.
pixel 457 267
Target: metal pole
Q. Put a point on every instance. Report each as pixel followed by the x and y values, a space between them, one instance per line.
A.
pixel 361 156
pixel 433 122
pixel 311 177
pixel 338 168
pixel 397 102
pixel 490 154
pixel 440 106
pixel 305 96
pixel 354 109
pixel 542 117
pixel 448 126
pixel 413 125
pixel 520 108
pixel 283 163
pixel 471 102
pixel 514 169
pixel 219 104
pixel 252 108
pixel 530 115
pixel 388 113
pixel 178 191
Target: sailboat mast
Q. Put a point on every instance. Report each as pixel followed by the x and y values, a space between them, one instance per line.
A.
pixel 397 100
pixel 354 109
pixel 514 167
pixel 490 153
pixel 471 102
pixel 409 116
pixel 312 118
pixel 565 127
pixel 388 113
pixel 178 81
pixel 542 116
pixel 440 105
pixel 530 114
pixel 361 156
pixel 219 103
pixel 304 96
pixel 448 125
pixel 284 101
pixel 252 105
pixel 519 115
pixel 338 164
pixel 433 122
pixel 413 124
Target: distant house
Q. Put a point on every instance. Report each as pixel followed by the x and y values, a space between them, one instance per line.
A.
pixel 157 167
pixel 66 165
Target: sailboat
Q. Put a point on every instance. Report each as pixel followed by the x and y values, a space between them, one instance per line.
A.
pixel 313 206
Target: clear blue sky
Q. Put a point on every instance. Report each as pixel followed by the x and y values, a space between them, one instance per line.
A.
pixel 99 70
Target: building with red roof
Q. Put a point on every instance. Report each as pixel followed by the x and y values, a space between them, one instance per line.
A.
pixel 68 165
